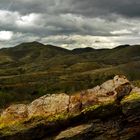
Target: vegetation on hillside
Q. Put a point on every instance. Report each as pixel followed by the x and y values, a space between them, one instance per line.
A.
pixel 31 70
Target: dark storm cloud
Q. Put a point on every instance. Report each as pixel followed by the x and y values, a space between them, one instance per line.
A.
pixel 129 8
pixel 32 6
pixel 69 21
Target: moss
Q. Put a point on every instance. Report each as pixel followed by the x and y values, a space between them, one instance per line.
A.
pixel 132 96
pixel 91 108
pixel 25 124
pixel 12 129
pixel 96 106
pixel 102 111
pixel 131 105
pixel 58 117
pixel 4 123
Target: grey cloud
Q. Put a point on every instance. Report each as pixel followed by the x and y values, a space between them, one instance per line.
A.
pixel 128 8
pixel 40 19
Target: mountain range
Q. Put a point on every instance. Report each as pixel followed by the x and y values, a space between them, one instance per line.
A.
pixel 32 69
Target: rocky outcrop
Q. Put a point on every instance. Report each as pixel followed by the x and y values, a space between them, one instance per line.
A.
pixel 108 111
pixel 49 105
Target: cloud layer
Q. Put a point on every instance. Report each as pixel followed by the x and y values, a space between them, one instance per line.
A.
pixel 70 23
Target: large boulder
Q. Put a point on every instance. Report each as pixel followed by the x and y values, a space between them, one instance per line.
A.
pixel 110 91
pixel 49 105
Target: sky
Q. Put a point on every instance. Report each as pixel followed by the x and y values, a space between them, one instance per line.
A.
pixel 70 23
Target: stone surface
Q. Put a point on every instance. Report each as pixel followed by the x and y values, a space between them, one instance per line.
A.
pixel 49 105
pixel 71 132
pixel 15 112
pixel 75 104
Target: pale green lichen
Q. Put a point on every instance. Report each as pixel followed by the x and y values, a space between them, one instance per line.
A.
pixel 96 106
pixel 91 108
pixel 16 126
pixel 131 97
pixel 58 117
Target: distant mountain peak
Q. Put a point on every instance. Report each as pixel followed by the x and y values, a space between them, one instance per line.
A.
pixel 83 50
pixel 31 43
pixel 122 46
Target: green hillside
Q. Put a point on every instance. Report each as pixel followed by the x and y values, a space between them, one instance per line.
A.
pixel 30 70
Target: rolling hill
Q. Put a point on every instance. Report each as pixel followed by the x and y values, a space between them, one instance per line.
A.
pixel 30 70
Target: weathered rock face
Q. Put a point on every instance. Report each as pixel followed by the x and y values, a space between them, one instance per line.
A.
pixel 108 92
pixel 15 112
pixel 49 105
pixel 104 110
